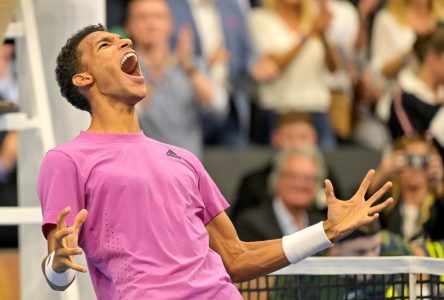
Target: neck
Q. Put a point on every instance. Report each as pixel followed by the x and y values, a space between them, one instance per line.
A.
pixel 426 76
pixel 114 118
pixel 298 215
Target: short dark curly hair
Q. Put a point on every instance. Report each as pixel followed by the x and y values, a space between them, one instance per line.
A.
pixel 69 64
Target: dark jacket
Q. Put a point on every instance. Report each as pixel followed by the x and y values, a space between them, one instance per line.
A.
pixel 260 223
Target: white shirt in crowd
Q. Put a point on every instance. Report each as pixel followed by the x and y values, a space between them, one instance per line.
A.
pixel 342 33
pixel 390 40
pixel 301 85
pixel 209 26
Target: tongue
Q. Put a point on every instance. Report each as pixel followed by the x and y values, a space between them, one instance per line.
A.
pixel 129 65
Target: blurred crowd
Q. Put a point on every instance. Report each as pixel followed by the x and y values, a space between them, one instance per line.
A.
pixel 303 77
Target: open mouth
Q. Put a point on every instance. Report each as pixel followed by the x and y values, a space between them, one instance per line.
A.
pixel 129 64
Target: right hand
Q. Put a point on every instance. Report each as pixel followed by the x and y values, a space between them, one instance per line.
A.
pixel 66 242
pixel 218 56
pixel 392 163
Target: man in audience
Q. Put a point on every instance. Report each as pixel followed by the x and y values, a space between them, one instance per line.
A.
pixel 222 40
pixel 295 179
pixel 292 130
pixel 180 91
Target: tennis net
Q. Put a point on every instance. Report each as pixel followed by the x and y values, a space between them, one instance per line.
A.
pixel 375 278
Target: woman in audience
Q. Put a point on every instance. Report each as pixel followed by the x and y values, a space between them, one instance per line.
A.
pixel 395 30
pixel 417 106
pixel 416 170
pixel 291 34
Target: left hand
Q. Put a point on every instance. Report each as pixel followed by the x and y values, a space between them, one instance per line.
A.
pixel 345 216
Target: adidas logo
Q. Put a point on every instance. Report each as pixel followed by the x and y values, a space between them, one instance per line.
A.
pixel 171 153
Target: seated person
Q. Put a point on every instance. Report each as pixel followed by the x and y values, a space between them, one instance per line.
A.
pixel 295 179
pixel 368 240
pixel 371 240
pixel 292 130
pixel 416 170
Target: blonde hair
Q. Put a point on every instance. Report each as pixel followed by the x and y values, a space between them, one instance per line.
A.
pixel 399 9
pixel 306 13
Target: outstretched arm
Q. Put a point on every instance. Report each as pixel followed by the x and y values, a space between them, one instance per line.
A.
pixel 245 261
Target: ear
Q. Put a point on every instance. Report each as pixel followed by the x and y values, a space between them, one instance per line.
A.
pixel 82 79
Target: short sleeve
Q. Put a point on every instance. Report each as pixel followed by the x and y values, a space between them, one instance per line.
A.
pixel 59 186
pixel 213 199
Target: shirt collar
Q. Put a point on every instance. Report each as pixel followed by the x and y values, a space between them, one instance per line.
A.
pixel 285 219
pixel 410 83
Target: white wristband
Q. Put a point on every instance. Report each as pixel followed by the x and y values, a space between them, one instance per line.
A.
pixel 306 242
pixel 58 279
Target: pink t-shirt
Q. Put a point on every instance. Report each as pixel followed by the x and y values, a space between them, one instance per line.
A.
pixel 148 204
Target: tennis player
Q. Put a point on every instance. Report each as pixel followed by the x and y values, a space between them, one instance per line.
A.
pixel 147 216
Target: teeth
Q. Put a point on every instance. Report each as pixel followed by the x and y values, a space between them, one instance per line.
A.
pixel 126 56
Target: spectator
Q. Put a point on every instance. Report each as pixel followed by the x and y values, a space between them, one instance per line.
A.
pixel 222 40
pixel 368 129
pixel 371 240
pixel 416 170
pixel 295 179
pixel 396 28
pixel 292 130
pixel 342 33
pixel 180 90
pixel 294 37
pixel 420 95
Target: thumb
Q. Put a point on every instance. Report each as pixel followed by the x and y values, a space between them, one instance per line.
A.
pixel 329 191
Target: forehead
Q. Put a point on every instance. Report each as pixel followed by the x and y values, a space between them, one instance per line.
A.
pixel 301 125
pixel 142 6
pixel 417 147
pixel 299 161
pixel 95 37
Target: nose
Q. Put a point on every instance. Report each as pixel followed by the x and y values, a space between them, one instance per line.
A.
pixel 126 43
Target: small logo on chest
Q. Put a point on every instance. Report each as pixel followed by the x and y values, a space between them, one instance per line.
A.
pixel 171 153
